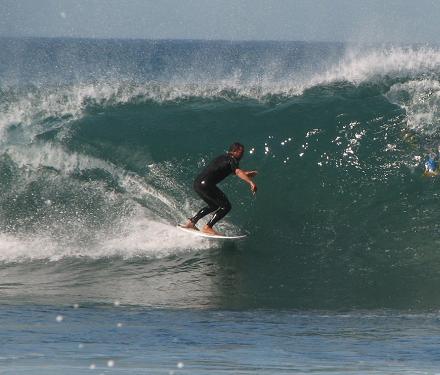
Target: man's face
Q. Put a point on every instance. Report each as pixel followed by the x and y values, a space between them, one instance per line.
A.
pixel 238 154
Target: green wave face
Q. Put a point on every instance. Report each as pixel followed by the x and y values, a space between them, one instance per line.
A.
pixel 343 217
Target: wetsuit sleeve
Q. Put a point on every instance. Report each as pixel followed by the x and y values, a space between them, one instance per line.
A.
pixel 234 164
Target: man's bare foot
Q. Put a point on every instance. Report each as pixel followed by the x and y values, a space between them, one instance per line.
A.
pixel 209 230
pixel 189 225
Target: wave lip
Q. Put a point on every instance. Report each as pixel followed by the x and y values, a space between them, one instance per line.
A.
pixel 360 65
pixel 43 106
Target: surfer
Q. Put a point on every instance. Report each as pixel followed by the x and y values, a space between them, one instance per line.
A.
pixel 431 164
pixel 206 182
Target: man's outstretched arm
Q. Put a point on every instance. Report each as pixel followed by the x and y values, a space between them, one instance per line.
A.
pixel 247 177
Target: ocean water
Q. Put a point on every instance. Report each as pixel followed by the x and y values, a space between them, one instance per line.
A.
pixel 100 141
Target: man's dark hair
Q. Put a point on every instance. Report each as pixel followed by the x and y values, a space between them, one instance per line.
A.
pixel 235 146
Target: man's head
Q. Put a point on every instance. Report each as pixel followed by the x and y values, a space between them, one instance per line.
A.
pixel 236 150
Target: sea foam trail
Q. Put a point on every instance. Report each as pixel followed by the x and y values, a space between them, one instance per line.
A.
pixel 140 237
pixel 131 231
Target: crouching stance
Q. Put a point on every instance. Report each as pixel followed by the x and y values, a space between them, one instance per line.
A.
pixel 206 182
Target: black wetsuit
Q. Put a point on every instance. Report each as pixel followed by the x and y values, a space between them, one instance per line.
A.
pixel 205 186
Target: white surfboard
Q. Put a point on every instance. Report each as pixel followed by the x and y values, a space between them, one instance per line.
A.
pixel 201 234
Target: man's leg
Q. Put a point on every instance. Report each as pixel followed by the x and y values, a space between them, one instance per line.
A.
pixel 202 213
pixel 224 206
pixel 206 193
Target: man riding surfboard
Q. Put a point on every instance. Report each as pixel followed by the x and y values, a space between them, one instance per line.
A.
pixel 206 182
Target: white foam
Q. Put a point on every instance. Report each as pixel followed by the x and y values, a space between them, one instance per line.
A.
pixel 360 64
pixel 140 237
pixel 139 232
pixel 15 248
pixel 421 101
pixel 419 95
pixel 144 237
pixel 31 108
pixel 39 155
pixel 35 156
pixel 34 106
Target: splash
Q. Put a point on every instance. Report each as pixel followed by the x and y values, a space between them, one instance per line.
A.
pixel 365 64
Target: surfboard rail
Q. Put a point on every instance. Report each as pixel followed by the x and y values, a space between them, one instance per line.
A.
pixel 199 233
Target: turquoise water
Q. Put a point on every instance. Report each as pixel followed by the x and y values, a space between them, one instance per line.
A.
pixel 100 142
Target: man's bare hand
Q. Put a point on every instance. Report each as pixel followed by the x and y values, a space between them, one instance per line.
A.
pixel 251 174
pixel 253 187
